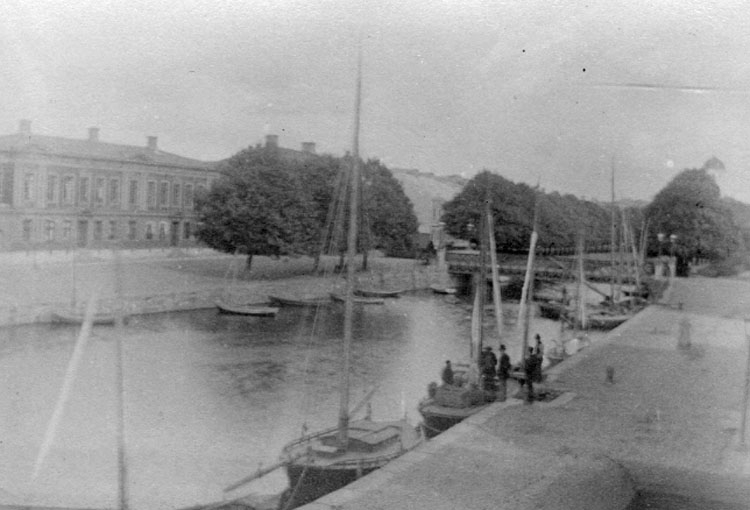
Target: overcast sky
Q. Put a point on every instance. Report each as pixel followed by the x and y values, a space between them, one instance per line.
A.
pixel 549 90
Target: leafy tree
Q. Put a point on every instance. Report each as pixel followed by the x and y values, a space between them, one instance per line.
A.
pixel 268 204
pixel 690 207
pixel 258 206
pixel 388 223
pixel 560 218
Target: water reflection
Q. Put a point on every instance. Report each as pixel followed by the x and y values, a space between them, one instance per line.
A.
pixel 209 397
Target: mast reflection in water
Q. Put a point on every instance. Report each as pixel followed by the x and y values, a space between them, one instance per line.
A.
pixel 208 397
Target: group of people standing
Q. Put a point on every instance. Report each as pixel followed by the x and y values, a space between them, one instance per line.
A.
pixel 495 371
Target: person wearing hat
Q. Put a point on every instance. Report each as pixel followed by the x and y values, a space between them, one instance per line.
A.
pixel 503 373
pixel 487 365
pixel 447 374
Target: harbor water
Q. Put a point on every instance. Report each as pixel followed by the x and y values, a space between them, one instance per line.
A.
pixel 209 398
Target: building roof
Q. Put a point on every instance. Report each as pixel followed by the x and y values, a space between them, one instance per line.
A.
pixel 94 149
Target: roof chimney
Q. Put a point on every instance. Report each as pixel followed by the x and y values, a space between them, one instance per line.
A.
pixel 308 147
pixel 272 141
pixel 24 127
pixel 93 134
pixel 151 142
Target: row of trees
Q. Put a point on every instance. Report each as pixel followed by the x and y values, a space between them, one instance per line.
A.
pixel 265 203
pixel 268 204
pixel 690 208
pixel 560 218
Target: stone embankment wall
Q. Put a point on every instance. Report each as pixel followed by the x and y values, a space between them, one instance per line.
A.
pixel 178 288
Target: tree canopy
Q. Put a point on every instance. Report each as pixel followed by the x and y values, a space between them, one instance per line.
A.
pixel 389 218
pixel 259 206
pixel 268 204
pixel 690 207
pixel 560 218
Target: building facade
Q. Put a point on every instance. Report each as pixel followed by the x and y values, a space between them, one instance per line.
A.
pixel 61 193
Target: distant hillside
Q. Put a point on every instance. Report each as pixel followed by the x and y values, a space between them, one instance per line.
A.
pixel 427 192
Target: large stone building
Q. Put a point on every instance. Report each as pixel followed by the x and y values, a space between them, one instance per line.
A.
pixel 63 193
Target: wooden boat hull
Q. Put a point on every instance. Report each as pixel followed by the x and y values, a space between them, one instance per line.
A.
pixel 437 418
pixel 553 311
pixel 255 310
pixel 606 322
pixel 100 319
pixel 317 301
pixel 371 293
pixel 312 474
pixel 359 300
pixel 442 290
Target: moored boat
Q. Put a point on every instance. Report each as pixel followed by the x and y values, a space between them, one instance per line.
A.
pixel 322 462
pixel 75 317
pixel 375 293
pixel 362 300
pixel 606 321
pixel 449 404
pixel 302 301
pixel 260 310
pixel 317 466
pixel 440 289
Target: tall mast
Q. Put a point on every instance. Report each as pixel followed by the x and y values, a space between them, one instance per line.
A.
pixel 351 253
pixel 482 281
pixel 496 298
pixel 612 238
pixel 525 308
pixel 122 467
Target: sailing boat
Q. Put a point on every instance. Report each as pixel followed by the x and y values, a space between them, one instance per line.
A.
pixel 451 403
pixel 227 305
pixel 322 462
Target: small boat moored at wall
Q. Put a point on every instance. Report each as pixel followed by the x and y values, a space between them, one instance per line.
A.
pixel 439 289
pixel 302 301
pixel 260 310
pixel 607 321
pixel 74 317
pixel 316 466
pixel 361 300
pixel 374 293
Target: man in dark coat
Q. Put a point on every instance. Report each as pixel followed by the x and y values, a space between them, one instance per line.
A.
pixel 487 365
pixel 503 373
pixel 447 374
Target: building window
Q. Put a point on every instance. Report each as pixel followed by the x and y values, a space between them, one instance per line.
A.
pixel 28 187
pixel 163 194
pixel 113 229
pixel 114 191
pixel 149 231
pixel 67 230
pixel 99 188
pixel 133 194
pixel 176 195
pixel 151 195
pixel 98 228
pixel 6 183
pixel 49 230
pixel 83 190
pixel 188 196
pixel 27 229
pixel 68 187
pixel 186 230
pixel 163 229
pixel 51 188
pixel 132 230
